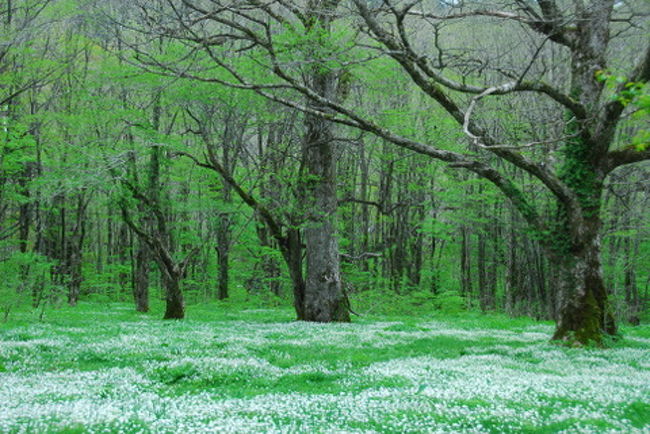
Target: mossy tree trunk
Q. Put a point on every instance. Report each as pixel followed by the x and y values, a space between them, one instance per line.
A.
pixel 585 316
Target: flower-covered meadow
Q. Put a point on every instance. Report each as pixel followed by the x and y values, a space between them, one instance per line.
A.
pixel 109 370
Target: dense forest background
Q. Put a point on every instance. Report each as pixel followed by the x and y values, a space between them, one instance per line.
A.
pixel 280 153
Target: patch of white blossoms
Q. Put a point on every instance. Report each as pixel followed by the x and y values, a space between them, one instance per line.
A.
pixel 503 381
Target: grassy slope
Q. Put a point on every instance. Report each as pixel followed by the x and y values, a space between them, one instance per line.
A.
pixel 108 369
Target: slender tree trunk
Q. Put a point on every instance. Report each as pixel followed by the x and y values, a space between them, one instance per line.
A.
pixel 484 296
pixel 223 254
pixel 224 229
pixel 465 264
pixel 365 212
pixel 141 277
pixel 25 209
pixel 512 273
pixel 270 266
pixel 632 299
pixel 292 252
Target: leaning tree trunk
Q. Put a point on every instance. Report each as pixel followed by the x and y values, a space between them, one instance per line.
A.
pixel 291 248
pixel 585 315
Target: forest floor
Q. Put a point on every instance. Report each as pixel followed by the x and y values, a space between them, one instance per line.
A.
pixel 107 369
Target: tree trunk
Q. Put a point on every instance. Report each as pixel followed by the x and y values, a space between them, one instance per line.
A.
pixel 270 265
pixel 175 305
pixel 585 316
pixel 511 279
pixel 481 259
pixel 465 265
pixel 292 253
pixel 74 259
pixel 324 299
pixel 223 252
pixel 25 209
pixel 633 306
pixel 141 277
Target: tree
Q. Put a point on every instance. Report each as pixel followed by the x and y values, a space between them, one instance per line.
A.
pixel 572 91
pixel 324 300
pixel 572 239
pixel 318 295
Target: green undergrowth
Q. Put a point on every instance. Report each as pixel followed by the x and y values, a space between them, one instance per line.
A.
pixel 95 368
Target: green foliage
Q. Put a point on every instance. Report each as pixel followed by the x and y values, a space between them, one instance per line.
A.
pixel 26 276
pixel 387 302
pixel 636 94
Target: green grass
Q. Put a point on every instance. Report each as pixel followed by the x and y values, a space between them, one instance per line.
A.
pixel 99 369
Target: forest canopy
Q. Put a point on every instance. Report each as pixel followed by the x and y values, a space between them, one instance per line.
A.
pixel 336 156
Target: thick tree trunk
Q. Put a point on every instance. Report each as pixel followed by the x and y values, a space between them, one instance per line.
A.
pixel 175 305
pixel 414 267
pixel 585 316
pixel 324 298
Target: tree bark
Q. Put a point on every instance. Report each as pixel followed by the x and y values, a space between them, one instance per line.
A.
pixel 141 277
pixel 291 248
pixel 465 264
pixel 175 305
pixel 324 300
pixel 223 254
pixel 585 315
